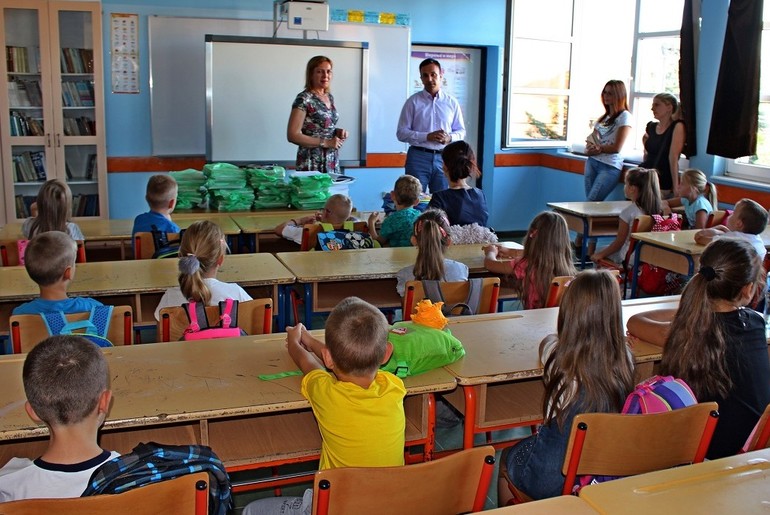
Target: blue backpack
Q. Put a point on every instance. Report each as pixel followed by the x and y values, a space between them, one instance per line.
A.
pixel 94 328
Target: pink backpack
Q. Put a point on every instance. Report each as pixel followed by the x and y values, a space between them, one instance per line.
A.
pixel 199 325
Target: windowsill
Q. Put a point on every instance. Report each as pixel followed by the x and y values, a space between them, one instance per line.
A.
pixel 740 182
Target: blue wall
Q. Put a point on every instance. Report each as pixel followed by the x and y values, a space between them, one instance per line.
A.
pixel 514 194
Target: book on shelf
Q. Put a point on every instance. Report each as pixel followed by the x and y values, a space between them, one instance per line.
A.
pixel 29 166
pixel 23 203
pixel 21 59
pixel 90 167
pixel 77 60
pixel 85 204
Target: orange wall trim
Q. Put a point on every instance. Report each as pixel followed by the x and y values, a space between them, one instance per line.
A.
pixel 154 164
pixel 729 194
pixel 385 160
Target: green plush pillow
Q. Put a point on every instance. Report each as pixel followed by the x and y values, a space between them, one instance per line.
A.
pixel 418 349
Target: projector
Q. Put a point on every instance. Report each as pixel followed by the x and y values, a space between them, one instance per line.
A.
pixel 306 15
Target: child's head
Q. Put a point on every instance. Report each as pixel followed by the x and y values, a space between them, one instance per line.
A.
pixel 407 191
pixel 459 161
pixel 201 252
pixel 54 207
pixel 591 352
pixel 337 209
pixel 65 379
pixel 431 237
pixel 161 193
pixel 729 275
pixel 547 253
pixel 357 337
pixel 643 188
pixel 749 217
pixel 48 257
pixel 694 178
pixel 668 100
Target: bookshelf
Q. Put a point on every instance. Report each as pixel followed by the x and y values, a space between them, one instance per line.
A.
pixel 52 104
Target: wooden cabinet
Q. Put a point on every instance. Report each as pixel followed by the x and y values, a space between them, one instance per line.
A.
pixel 52 104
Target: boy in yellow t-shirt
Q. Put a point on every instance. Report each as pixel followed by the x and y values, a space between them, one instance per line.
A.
pixel 359 408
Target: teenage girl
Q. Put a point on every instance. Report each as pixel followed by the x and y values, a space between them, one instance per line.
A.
pixel 664 141
pixel 715 343
pixel 462 203
pixel 547 254
pixel 201 253
pixel 691 191
pixel 54 210
pixel 587 368
pixel 431 237
pixel 641 188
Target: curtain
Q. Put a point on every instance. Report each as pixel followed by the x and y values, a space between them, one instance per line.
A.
pixel 733 131
pixel 687 65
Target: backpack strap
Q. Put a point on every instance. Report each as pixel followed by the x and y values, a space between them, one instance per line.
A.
pixel 196 315
pixel 228 313
pixel 54 322
pixel 100 317
pixel 475 286
pixel 432 290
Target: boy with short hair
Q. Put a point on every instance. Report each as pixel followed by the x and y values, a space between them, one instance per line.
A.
pixel 161 197
pixel 335 212
pixel 748 221
pixel 397 228
pixel 66 383
pixel 50 262
pixel 359 408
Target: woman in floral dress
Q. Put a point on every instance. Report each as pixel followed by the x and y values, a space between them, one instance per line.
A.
pixel 313 120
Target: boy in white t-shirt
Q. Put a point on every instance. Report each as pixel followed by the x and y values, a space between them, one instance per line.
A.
pixel 748 221
pixel 66 382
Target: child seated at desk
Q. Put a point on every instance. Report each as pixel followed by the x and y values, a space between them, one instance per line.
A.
pixel 587 368
pixel 161 197
pixel 715 342
pixel 335 212
pixel 691 194
pixel 54 211
pixel 201 254
pixel 396 230
pixel 50 262
pixel 359 408
pixel 547 254
pixel 748 221
pixel 431 237
pixel 463 203
pixel 65 381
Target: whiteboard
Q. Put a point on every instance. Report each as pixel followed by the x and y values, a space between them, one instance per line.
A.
pixel 178 78
pixel 243 118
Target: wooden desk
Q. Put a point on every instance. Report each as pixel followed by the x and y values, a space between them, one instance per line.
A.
pixel 207 392
pixel 562 505
pixel 329 277
pixel 738 484
pixel 141 283
pixel 591 219
pixel 501 375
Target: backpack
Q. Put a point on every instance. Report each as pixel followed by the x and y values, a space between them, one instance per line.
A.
pixel 95 327
pixel 433 292
pixel 655 280
pixel 199 324
pixel 418 349
pixel 163 247
pixel 656 394
pixel 151 463
pixel 343 239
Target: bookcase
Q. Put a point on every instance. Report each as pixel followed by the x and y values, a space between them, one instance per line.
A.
pixel 52 104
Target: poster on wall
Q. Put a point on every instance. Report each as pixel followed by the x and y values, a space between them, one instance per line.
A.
pixel 124 52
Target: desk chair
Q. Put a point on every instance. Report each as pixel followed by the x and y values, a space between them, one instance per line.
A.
pixel 9 252
pixel 559 285
pixel 144 244
pixel 254 317
pixel 183 495
pixel 453 292
pixel 760 437
pixel 717 217
pixel 642 223
pixel 454 484
pixel 29 330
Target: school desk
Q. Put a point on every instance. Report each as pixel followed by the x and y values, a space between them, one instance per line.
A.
pixel 591 219
pixel 562 505
pixel 208 392
pixel 501 376
pixel 141 283
pixel 737 484
pixel 329 277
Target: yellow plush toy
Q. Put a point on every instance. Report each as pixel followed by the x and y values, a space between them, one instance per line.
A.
pixel 429 314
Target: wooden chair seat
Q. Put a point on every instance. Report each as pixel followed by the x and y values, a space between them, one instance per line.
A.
pixel 29 330
pixel 254 317
pixel 454 484
pixel 183 495
pixel 453 292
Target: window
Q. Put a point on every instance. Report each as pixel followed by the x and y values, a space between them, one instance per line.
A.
pixel 757 167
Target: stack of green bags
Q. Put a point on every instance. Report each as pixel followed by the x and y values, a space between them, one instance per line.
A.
pixel 192 192
pixel 309 190
pixel 270 187
pixel 227 187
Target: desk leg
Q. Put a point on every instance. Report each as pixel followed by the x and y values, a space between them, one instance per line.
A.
pixel 308 305
pixel 635 269
pixel 431 429
pixel 469 427
pixel 584 246
pixel 282 305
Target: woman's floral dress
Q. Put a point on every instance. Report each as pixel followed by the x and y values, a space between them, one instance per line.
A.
pixel 320 122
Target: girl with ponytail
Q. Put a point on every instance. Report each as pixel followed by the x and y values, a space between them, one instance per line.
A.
pixel 463 203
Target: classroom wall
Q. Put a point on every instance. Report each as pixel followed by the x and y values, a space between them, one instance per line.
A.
pixel 514 193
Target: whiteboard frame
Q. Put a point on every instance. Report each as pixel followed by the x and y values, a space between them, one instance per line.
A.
pixel 212 39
